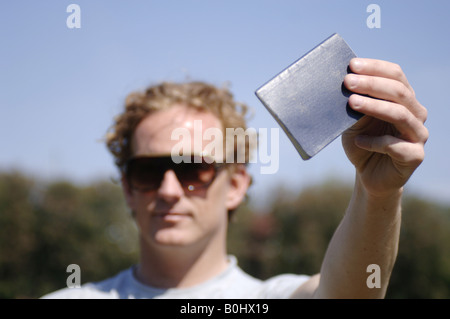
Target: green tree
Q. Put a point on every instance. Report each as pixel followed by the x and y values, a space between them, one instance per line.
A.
pixel 48 226
pixel 293 234
pixel 45 226
pixel 422 269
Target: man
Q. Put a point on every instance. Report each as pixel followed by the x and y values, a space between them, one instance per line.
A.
pixel 182 212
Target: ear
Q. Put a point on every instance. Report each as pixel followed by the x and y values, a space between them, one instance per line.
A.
pixel 239 183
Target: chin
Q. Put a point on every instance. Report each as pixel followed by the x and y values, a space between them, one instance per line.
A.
pixel 172 238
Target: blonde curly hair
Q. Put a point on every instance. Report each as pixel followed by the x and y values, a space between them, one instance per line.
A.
pixel 198 95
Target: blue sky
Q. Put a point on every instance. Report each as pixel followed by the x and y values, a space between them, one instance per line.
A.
pixel 61 87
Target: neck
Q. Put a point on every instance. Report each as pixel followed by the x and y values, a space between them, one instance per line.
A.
pixel 180 266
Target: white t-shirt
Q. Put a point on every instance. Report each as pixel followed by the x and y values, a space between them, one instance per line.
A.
pixel 233 283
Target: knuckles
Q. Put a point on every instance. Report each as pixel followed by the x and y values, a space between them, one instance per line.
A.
pixel 397 71
pixel 419 158
pixel 424 114
pixel 425 135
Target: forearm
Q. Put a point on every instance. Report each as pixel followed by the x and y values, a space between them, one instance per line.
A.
pixel 368 234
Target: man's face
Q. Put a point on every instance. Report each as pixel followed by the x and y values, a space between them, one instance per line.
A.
pixel 172 215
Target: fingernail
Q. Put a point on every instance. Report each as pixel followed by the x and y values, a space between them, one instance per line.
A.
pixel 352 81
pixel 357 101
pixel 357 65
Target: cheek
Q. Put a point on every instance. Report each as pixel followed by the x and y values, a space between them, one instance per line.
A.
pixel 142 207
pixel 213 205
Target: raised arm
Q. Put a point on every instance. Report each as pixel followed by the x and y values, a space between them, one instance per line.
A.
pixel 385 146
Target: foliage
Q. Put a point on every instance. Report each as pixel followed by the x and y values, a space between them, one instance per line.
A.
pixel 422 269
pixel 292 236
pixel 47 226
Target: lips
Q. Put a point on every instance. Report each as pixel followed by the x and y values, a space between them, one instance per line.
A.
pixel 171 215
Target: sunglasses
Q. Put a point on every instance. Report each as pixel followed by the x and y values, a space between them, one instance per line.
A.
pixel 146 173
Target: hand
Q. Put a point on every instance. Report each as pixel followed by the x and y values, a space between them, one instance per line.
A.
pixel 387 144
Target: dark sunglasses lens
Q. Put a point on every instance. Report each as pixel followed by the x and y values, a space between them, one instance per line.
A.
pixel 147 173
pixel 195 174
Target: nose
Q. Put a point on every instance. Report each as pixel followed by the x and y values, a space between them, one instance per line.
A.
pixel 170 189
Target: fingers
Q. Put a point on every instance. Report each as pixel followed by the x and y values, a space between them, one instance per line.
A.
pixel 409 126
pixel 412 154
pixel 383 80
pixel 379 68
pixel 389 98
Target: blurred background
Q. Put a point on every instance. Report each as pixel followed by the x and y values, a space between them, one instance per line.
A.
pixel 60 89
